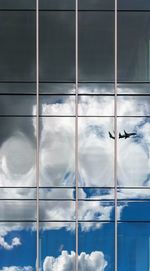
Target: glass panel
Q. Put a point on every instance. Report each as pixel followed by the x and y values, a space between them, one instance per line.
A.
pixel 134 5
pixel 96 88
pixel 15 88
pixel 57 46
pixel 96 246
pixel 17 46
pixel 17 246
pixel 17 193
pixel 133 106
pixel 133 246
pixel 17 105
pixel 57 4
pixel 134 88
pixel 96 193
pixel 96 4
pixel 13 210
pixel 133 46
pixel 96 106
pixel 96 210
pixel 133 152
pixel 57 246
pixel 96 152
pixel 140 193
pixel 57 105
pixel 96 46
pixel 57 210
pixel 57 151
pixel 17 151
pixel 17 4
pixel 57 193
pixel 57 88
pixel 134 211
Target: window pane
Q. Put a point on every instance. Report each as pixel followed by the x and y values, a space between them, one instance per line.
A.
pixel 17 152
pixel 133 46
pixel 57 193
pixel 57 210
pixel 96 4
pixel 57 46
pixel 57 105
pixel 102 194
pixel 96 246
pixel 57 246
pixel 57 88
pixel 17 4
pixel 23 105
pixel 134 88
pixel 15 88
pixel 96 88
pixel 17 46
pixel 96 210
pixel 133 246
pixel 17 193
pixel 133 151
pixel 57 151
pixel 140 193
pixel 96 152
pixel 18 246
pixel 133 106
pixel 134 5
pixel 96 106
pixel 17 210
pixel 96 46
pixel 57 4
pixel 134 211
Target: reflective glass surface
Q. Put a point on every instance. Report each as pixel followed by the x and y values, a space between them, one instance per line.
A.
pixel 96 152
pixel 133 246
pixel 57 246
pixel 57 105
pixel 57 4
pixel 133 46
pixel 17 4
pixel 96 4
pixel 16 239
pixel 133 5
pixel 133 151
pixel 96 46
pixel 17 46
pixel 57 46
pixel 57 151
pixel 96 246
pixel 17 151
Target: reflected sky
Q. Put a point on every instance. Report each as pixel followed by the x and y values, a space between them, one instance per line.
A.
pixel 133 246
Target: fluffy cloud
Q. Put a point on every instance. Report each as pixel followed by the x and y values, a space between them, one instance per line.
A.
pixel 14 243
pixel 66 262
pixel 17 268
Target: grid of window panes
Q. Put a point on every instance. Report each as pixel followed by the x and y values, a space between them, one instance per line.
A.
pixel 17 135
pixel 133 117
pixel 58 122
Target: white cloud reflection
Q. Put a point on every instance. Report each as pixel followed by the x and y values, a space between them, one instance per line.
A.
pixel 66 262
pixel 57 144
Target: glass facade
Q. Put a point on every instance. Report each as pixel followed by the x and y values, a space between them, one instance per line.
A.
pixel 75 135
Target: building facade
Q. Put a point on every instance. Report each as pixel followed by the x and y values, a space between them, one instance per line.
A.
pixel 75 135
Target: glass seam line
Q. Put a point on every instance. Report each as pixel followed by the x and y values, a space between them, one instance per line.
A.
pixel 37 135
pixel 115 142
pixel 76 131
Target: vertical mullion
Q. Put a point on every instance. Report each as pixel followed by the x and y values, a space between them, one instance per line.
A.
pixel 115 142
pixel 76 130
pixel 37 135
